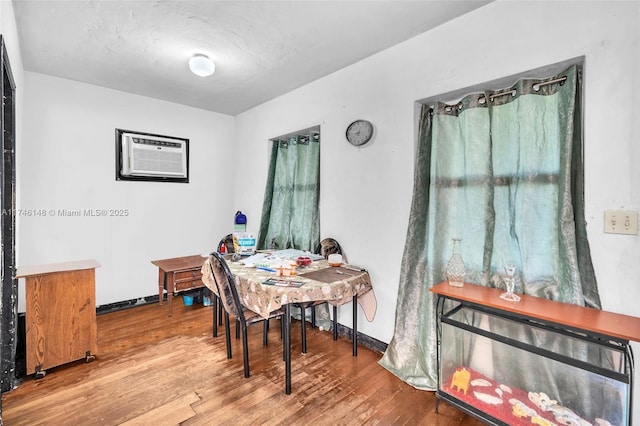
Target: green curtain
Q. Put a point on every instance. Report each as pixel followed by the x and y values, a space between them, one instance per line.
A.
pixel 290 214
pixel 503 172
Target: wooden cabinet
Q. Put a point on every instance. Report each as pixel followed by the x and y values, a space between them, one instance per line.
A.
pixel 178 274
pixel 60 316
pixel 535 361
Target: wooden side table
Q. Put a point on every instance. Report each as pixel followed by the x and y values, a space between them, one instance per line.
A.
pixel 60 314
pixel 178 274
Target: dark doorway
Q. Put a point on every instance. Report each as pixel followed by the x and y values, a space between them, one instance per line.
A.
pixel 9 288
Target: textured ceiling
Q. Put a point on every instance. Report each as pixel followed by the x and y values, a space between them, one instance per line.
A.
pixel 262 49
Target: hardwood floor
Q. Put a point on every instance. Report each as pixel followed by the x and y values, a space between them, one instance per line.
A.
pixel 151 369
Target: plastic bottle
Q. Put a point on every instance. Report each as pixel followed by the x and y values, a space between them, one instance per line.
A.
pixel 240 221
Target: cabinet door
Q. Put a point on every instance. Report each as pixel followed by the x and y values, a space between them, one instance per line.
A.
pixel 60 318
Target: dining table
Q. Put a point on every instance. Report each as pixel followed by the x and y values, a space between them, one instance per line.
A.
pixel 262 291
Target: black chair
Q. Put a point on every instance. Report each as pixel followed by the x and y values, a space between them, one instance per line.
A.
pixel 228 293
pixel 325 248
pixel 329 246
pixel 227 243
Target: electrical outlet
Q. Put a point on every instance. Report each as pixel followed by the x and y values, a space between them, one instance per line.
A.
pixel 621 222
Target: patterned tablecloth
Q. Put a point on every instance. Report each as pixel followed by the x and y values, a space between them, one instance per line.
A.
pixel 262 298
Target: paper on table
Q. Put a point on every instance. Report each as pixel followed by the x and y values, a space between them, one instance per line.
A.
pixel 294 254
pixel 256 258
pixel 283 282
pixel 266 260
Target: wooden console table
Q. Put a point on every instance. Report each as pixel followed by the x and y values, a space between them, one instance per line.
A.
pixel 538 346
pixel 178 274
pixel 60 314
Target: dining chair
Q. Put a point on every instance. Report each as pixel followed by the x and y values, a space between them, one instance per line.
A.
pixel 326 247
pixel 224 246
pixel 227 243
pixel 228 293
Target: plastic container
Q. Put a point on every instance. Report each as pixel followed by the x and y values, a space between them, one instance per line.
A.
pixel 187 300
pixel 303 261
pixel 335 259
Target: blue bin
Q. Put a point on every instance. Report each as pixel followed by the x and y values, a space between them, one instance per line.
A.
pixel 187 300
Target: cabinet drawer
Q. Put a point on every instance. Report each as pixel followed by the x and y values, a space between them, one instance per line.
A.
pixel 187 275
pixel 187 285
pixel 187 280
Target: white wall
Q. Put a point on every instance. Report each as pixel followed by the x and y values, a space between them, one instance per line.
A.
pixel 67 162
pixel 366 192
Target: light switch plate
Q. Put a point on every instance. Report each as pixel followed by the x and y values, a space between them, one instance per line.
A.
pixel 621 222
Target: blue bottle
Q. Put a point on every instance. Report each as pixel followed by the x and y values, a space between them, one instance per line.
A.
pixel 240 222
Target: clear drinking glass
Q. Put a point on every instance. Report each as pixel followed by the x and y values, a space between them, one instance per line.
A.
pixel 510 281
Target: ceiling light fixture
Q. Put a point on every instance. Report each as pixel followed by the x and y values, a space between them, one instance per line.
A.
pixel 201 65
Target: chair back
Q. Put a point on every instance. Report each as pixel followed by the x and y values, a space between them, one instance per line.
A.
pixel 226 285
pixel 329 246
pixel 227 242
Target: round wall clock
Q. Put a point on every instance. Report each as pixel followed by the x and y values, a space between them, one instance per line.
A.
pixel 359 132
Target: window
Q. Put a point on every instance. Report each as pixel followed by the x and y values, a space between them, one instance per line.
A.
pixel 290 215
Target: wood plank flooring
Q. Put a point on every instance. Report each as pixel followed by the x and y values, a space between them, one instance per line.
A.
pixel 152 369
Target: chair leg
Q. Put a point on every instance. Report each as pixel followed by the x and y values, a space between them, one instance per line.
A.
pixel 227 334
pixel 283 336
pixel 220 310
pixel 355 325
pixel 214 298
pixel 313 317
pixel 335 323
pixel 245 352
pixel 265 333
pixel 303 328
pixel 238 326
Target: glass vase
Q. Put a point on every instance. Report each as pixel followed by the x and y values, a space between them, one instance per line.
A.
pixel 455 269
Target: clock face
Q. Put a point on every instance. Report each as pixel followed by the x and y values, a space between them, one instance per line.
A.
pixel 359 132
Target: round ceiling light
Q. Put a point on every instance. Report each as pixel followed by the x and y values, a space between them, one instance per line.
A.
pixel 201 65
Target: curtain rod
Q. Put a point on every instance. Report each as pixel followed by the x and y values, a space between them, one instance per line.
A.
pixel 512 92
pixel 562 79
pixel 536 87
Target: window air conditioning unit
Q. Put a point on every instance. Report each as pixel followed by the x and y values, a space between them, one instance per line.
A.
pixel 145 156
